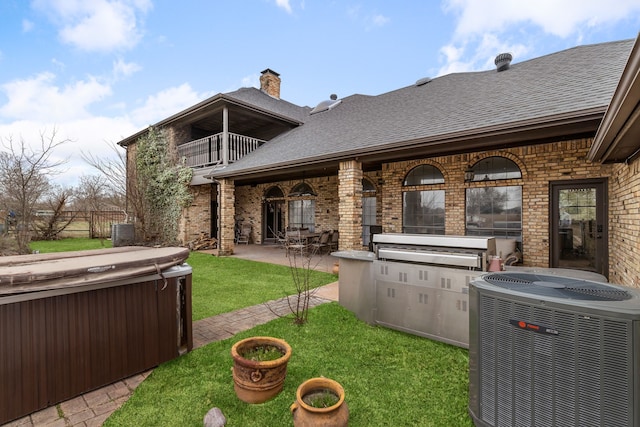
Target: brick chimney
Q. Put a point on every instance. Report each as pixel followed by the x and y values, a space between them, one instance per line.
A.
pixel 270 83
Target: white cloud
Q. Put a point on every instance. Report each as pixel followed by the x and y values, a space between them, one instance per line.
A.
pixel 252 80
pixel 558 18
pixel 284 4
pixel 96 25
pixel 165 104
pixel 125 69
pixel 80 136
pixel 484 28
pixel 38 98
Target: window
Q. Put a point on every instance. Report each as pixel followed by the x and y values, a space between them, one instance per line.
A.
pixel 494 168
pixel 424 175
pixel 302 189
pixel 494 211
pixel 423 210
pixel 368 210
pixel 302 214
pixel 274 193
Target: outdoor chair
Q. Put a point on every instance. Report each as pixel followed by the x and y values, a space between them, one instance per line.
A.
pixel 295 242
pixel 245 234
pixel 322 243
pixel 333 243
pixel 281 238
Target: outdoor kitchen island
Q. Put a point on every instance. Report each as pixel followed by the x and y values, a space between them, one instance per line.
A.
pixel 416 283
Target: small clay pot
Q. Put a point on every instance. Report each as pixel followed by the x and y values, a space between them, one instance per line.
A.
pixel 305 415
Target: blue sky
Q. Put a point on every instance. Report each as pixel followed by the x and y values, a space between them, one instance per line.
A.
pixel 97 71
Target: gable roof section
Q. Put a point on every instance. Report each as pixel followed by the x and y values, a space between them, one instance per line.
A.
pixel 564 93
pixel 248 98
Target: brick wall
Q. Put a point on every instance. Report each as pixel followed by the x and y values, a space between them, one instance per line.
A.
pixel 540 165
pixel 196 219
pixel 350 205
pixel 249 204
pixel 624 224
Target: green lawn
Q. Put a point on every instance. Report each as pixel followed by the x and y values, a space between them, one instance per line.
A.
pixel 64 245
pixel 223 284
pixel 390 378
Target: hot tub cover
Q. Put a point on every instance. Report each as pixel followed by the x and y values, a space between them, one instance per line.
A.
pixel 30 273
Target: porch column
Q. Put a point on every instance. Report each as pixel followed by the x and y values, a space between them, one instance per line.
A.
pixel 350 205
pixel 225 136
pixel 227 216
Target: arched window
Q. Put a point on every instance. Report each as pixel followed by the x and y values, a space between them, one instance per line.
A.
pixel 302 210
pixel 423 209
pixel 424 175
pixel 274 193
pixel 494 210
pixel 494 168
pixel 302 189
pixel 367 186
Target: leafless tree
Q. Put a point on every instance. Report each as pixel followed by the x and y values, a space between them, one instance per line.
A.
pixel 113 170
pixel 25 172
pixel 95 193
pixel 57 218
pixel 112 183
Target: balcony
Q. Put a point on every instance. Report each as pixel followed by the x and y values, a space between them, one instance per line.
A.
pixel 209 151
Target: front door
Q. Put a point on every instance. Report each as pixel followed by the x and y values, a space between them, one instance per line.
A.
pixel 579 225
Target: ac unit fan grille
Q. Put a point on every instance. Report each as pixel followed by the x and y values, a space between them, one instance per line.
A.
pixel 557 287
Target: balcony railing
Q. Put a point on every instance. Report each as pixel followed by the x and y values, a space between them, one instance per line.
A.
pixel 208 151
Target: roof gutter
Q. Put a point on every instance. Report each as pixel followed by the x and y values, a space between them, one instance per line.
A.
pixel 497 135
pixel 615 136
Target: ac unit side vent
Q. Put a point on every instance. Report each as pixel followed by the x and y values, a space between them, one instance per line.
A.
pixel 557 287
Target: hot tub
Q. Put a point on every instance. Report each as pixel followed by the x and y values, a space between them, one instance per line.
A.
pixel 76 321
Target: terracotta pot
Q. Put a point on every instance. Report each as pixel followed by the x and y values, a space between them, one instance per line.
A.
pixel 305 415
pixel 258 381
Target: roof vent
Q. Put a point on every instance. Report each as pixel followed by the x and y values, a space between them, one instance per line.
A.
pixel 503 61
pixel 423 81
pixel 327 104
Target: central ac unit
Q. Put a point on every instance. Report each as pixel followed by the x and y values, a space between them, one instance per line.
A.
pixel 553 351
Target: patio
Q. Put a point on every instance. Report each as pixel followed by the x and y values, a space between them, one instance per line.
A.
pixel 275 254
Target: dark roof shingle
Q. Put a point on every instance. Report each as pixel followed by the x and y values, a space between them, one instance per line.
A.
pixel 565 83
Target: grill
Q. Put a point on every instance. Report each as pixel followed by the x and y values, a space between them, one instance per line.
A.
pixel 422 282
pixel 451 251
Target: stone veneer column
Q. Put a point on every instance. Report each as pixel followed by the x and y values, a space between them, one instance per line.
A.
pixel 350 205
pixel 227 216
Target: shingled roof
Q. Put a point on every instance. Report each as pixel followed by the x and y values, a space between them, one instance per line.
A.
pixel 567 91
pixel 247 97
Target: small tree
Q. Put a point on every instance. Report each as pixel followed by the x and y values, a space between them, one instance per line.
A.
pixel 301 263
pixel 25 173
